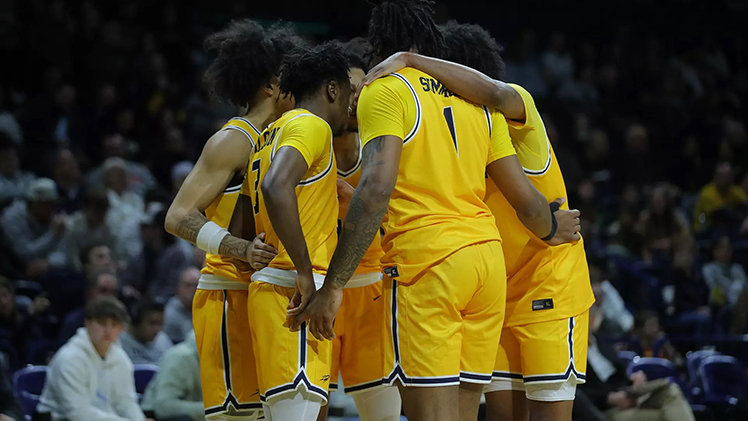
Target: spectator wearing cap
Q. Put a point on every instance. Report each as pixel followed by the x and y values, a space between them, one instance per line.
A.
pixel 89 226
pixel 91 376
pixel 178 311
pixel 35 229
pixel 13 181
pixel 126 207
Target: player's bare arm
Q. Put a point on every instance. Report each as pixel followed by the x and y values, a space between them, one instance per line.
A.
pixel 225 152
pixel 279 193
pixel 381 159
pixel 468 83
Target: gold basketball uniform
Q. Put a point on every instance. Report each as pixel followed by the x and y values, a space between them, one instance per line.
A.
pixel 219 315
pixel 289 360
pixel 445 278
pixel 548 288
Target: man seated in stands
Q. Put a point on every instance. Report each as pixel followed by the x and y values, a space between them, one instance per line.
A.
pixel 99 282
pixel 145 341
pixel 91 377
pixel 175 393
pixel 178 311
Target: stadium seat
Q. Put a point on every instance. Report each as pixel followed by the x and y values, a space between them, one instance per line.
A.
pixel 724 380
pixel 625 357
pixel 28 383
pixel 143 375
pixel 654 368
pixel 41 351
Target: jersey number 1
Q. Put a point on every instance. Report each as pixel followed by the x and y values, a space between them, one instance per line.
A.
pixel 449 116
pixel 256 168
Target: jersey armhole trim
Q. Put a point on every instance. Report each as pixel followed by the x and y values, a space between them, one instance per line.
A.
pixel 346 174
pixel 488 120
pixel 313 178
pixel 417 124
pixel 241 129
pixel 547 161
pixel 248 123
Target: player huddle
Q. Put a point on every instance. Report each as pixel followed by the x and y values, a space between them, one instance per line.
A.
pixel 453 269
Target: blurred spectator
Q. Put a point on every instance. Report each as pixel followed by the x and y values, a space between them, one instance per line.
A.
pixel 35 229
pixel 179 172
pixel 664 229
pixel 139 177
pixel 145 341
pixel 126 209
pixel 651 340
pixel 608 389
pixel 67 174
pixel 91 377
pixel 558 64
pixel 19 327
pixel 726 279
pixel 8 124
pixel 175 393
pixel 616 320
pixel 720 202
pixel 178 310
pixel 689 307
pixel 89 226
pixel 155 272
pixel 13 181
pixel 637 165
pixel 523 66
pixel 10 409
pixel 100 282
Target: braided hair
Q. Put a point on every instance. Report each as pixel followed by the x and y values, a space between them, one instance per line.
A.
pixel 403 25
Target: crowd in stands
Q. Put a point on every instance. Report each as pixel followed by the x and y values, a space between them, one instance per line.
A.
pixel 97 137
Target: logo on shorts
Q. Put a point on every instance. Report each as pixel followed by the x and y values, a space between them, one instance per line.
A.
pixel 325 378
pixel 392 271
pixel 545 304
pixel 377 297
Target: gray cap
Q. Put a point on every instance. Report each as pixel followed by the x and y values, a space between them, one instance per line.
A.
pixel 42 190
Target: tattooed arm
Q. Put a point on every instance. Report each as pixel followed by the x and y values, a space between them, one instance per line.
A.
pixel 468 83
pixel 381 160
pixel 225 153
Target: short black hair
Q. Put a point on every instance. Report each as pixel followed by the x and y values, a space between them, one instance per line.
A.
pixel 358 51
pixel 144 307
pixel 248 57
pixel 471 45
pixel 401 25
pixel 305 70
pixel 106 307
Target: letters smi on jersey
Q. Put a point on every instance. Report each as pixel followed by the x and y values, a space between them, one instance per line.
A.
pixel 434 86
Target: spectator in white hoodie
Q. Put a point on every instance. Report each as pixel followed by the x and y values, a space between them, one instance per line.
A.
pixel 91 377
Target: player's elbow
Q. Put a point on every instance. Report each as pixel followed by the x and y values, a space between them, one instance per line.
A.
pixel 173 216
pixel 271 187
pixel 377 192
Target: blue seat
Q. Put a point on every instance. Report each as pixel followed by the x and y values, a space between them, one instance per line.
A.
pixel 693 362
pixel 654 368
pixel 724 379
pixel 625 357
pixel 143 375
pixel 28 383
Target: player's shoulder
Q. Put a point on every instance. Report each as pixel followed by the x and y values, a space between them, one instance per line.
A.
pixel 307 120
pixel 225 144
pixel 524 93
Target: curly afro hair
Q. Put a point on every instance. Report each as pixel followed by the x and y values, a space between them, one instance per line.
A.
pixel 358 51
pixel 248 57
pixel 473 46
pixel 305 70
pixel 401 25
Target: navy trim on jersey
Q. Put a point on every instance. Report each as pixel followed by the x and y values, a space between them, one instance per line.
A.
pixel 488 119
pixel 569 370
pixel 360 159
pixel 475 377
pixel 241 129
pixel 249 123
pixel 419 112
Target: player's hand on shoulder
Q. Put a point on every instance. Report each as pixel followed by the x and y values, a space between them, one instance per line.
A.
pixel 392 64
pixel 260 254
pixel 569 225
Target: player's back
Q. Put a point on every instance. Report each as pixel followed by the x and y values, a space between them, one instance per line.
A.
pixel 316 194
pixel 537 272
pixel 436 207
pixel 221 271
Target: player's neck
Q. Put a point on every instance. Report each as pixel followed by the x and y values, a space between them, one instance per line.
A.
pixel 262 114
pixel 317 106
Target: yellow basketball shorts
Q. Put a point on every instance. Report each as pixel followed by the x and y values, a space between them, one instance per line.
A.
pixel 227 362
pixel 286 361
pixel 443 328
pixel 543 353
pixel 357 352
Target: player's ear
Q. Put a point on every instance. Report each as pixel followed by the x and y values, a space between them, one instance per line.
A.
pixel 270 89
pixel 332 90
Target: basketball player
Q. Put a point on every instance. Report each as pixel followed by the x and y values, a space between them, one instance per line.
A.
pixel 357 352
pixel 543 348
pixel 424 164
pixel 245 74
pixel 292 177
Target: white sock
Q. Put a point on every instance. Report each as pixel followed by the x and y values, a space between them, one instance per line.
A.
pixel 296 407
pixel 380 404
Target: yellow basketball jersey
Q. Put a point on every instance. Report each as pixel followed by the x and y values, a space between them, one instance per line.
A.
pixel 437 205
pixel 221 209
pixel 544 283
pixel 316 193
pixel 371 260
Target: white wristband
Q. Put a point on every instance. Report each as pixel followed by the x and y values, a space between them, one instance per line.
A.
pixel 210 236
